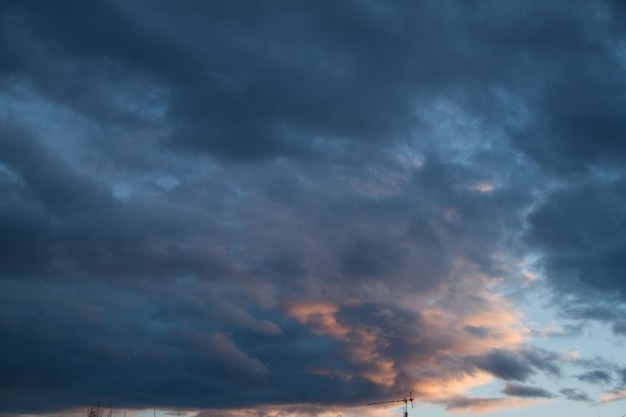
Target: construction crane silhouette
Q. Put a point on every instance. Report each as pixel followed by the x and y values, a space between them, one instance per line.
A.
pixel 405 400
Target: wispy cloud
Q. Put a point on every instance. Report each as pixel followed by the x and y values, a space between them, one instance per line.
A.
pixel 575 394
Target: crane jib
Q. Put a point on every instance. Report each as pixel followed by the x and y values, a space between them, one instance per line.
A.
pixel 405 400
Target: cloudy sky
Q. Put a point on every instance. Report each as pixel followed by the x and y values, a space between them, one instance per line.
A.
pixel 293 208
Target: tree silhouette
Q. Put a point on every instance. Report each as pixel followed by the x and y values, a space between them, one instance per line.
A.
pixel 95 412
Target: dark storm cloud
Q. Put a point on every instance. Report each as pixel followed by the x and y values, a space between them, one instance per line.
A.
pixel 579 230
pixel 38 189
pixel 574 394
pixel 54 218
pixel 235 204
pixel 574 123
pixel 105 347
pixel 287 70
pixel 579 112
pixel 525 391
pixel 135 290
pixel 576 130
pixel 284 69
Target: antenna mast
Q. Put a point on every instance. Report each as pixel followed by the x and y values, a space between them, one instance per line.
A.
pixel 405 400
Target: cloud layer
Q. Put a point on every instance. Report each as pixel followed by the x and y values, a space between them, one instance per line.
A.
pixel 293 206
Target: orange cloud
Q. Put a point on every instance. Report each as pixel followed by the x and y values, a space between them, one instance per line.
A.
pixel 442 387
pixel 483 187
pixel 610 397
pixel 481 405
pixel 362 343
pixel 437 333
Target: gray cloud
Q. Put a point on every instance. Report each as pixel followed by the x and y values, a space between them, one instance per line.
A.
pixel 622 376
pixel 619 327
pixel 518 365
pixel 587 256
pixel 543 360
pixel 506 365
pixel 603 372
pixel 477 331
pixel 525 391
pixel 574 394
pixel 595 377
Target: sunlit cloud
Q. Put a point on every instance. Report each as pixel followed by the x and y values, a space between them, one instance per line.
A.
pixel 483 405
pixel 609 397
pixel 483 187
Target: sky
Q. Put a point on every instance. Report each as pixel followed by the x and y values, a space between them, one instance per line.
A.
pixel 289 208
